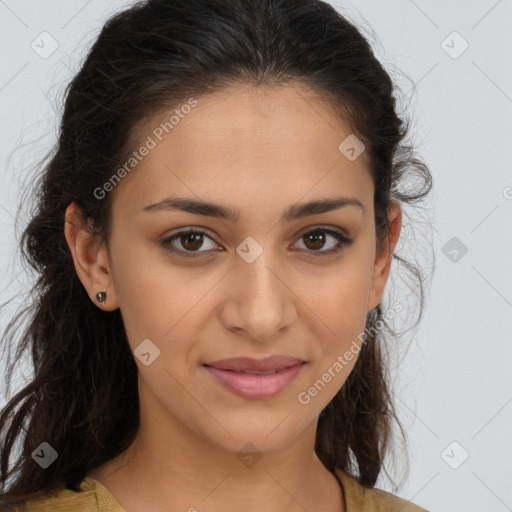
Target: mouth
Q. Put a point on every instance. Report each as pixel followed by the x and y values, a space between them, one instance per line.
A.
pixel 249 364
pixel 256 384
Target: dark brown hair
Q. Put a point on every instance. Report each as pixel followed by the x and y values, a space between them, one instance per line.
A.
pixel 147 59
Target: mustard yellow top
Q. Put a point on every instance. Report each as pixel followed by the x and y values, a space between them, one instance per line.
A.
pixel 97 498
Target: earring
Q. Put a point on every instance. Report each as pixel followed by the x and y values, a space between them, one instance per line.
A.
pixel 101 297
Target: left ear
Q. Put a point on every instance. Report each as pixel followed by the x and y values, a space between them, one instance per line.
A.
pixel 382 265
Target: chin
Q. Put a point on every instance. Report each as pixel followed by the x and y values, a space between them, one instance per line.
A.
pixel 267 432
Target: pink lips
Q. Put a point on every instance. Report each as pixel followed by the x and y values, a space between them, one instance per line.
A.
pixel 232 373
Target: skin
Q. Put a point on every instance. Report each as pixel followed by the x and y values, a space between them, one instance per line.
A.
pixel 258 150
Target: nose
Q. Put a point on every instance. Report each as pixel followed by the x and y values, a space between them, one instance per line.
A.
pixel 260 303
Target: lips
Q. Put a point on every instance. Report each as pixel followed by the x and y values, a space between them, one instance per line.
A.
pixel 255 386
pixel 250 365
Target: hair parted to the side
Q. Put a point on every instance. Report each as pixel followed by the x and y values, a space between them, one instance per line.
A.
pixel 149 58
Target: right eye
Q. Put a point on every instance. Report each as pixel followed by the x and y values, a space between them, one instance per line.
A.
pixel 189 239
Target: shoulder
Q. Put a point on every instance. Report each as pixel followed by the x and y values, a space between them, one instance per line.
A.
pixel 362 499
pixel 92 497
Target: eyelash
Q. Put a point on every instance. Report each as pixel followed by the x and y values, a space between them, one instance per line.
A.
pixel 343 241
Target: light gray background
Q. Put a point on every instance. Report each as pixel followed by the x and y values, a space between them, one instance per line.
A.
pixel 454 384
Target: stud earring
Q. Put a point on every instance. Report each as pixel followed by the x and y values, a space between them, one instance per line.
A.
pixel 101 297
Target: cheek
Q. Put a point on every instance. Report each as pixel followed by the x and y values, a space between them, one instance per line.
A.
pixel 152 296
pixel 163 303
pixel 338 308
pixel 340 300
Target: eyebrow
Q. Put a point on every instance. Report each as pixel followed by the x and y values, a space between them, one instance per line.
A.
pixel 294 212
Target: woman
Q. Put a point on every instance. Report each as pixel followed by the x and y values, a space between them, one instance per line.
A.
pixel 214 235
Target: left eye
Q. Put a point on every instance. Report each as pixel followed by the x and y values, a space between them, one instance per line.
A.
pixel 317 238
pixel 191 241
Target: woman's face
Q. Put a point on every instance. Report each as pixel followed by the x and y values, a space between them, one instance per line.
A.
pixel 259 284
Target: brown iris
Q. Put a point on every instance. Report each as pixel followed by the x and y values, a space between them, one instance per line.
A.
pixel 318 239
pixel 193 241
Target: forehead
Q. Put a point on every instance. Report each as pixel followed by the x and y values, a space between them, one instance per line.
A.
pixel 278 143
